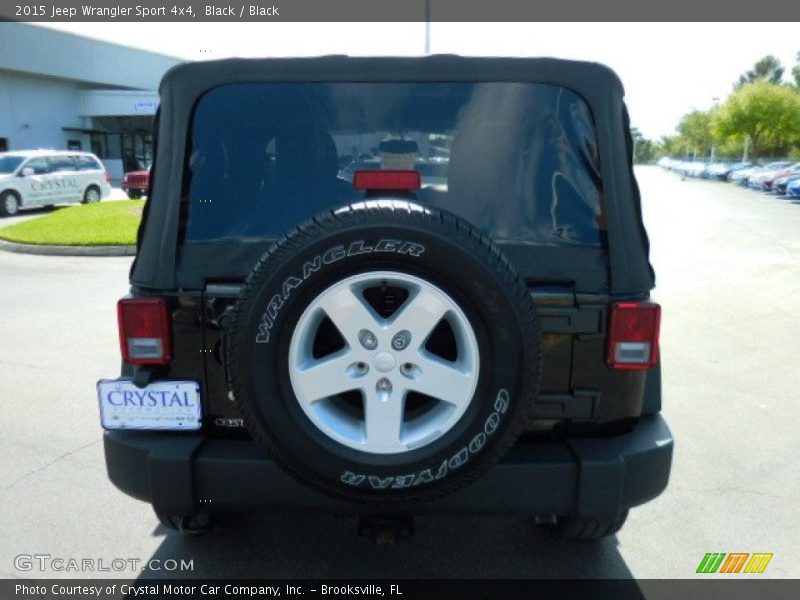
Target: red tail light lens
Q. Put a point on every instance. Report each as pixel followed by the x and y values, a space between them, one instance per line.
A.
pixel 633 335
pixel 108 177
pixel 387 180
pixel 144 331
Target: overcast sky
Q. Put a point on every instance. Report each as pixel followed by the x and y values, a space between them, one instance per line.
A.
pixel 667 68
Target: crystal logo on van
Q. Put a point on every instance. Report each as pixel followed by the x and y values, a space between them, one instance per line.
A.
pixel 54 184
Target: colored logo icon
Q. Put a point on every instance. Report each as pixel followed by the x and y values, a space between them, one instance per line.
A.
pixel 734 562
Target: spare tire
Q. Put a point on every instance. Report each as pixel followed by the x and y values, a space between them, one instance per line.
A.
pixel 384 352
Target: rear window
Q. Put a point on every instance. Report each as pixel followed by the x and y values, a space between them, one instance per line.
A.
pixel 87 163
pixel 518 160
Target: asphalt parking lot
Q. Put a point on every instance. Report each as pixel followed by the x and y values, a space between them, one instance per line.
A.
pixel 728 271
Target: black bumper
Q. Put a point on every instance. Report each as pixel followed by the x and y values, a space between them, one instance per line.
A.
pixel 183 474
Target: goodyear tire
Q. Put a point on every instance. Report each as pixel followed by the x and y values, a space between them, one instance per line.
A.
pixel 384 352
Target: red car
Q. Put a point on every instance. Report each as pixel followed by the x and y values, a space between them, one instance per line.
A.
pixel 768 181
pixel 135 183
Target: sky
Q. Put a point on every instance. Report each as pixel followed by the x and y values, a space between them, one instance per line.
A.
pixel 668 69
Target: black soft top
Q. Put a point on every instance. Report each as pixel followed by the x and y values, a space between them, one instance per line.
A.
pixel 184 85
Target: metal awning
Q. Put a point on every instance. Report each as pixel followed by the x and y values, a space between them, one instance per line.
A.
pixel 84 130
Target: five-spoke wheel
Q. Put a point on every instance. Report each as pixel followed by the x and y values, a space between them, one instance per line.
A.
pixel 384 387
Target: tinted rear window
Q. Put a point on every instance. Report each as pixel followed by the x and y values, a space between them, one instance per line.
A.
pixel 87 163
pixel 518 160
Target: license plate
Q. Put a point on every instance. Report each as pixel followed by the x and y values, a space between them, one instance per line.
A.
pixel 164 405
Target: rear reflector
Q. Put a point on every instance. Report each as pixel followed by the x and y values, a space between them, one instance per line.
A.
pixel 633 335
pixel 387 180
pixel 144 331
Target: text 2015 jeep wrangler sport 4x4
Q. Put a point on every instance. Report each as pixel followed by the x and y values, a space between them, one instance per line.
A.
pixel 391 286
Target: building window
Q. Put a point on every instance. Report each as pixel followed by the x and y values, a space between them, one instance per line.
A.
pixel 99 142
pixel 3 144
pixel 137 150
pixel 74 145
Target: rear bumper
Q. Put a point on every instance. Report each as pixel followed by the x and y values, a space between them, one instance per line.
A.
pixel 183 474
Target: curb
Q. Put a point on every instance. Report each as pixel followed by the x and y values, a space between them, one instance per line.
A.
pixel 67 250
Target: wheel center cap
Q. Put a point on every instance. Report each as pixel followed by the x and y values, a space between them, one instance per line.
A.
pixel 384 362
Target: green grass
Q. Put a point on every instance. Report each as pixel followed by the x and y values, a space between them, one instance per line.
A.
pixel 101 224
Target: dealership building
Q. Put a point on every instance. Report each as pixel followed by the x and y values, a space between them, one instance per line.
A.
pixel 66 92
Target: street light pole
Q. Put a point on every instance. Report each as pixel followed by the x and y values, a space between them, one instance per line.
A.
pixel 427 26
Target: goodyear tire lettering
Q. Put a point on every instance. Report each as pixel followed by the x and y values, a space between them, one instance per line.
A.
pixel 330 256
pixel 459 459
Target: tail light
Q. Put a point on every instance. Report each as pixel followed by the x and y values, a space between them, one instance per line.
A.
pixel 144 331
pixel 633 335
pixel 108 177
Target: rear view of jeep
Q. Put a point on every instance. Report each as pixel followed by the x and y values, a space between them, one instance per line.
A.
pixel 390 287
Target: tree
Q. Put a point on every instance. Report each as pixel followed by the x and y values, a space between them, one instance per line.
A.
pixel 796 71
pixel 695 129
pixel 675 146
pixel 766 113
pixel 768 69
pixel 644 149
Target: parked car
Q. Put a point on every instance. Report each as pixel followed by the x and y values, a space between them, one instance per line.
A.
pixel 374 346
pixel 690 168
pixel 762 181
pixel 723 170
pixel 742 176
pixel 712 169
pixel 136 183
pixel 675 165
pixel 768 182
pixel 793 189
pixel 665 162
pixel 36 178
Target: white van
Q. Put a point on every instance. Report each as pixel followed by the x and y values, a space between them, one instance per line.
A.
pixel 33 178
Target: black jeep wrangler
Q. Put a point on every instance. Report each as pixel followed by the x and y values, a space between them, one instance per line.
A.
pixel 387 287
